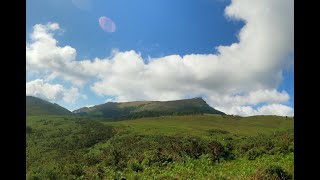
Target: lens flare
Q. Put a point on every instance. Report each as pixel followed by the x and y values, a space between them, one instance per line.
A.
pixel 107 24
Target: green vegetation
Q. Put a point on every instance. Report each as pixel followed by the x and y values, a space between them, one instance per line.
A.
pixel 36 106
pixel 201 125
pixel 56 145
pixel 140 109
pixel 171 147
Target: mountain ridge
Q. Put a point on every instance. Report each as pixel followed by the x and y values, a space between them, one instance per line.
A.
pixel 123 110
pixel 38 106
pixel 138 109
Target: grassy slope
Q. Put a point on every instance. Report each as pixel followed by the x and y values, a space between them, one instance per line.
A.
pixel 198 125
pixel 240 169
pixel 37 106
pixel 53 139
pixel 138 109
pixel 61 147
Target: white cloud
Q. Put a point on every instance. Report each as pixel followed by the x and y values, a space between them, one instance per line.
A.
pixel 236 78
pixel 277 109
pixel 51 92
pixel 109 100
pixel 251 98
pixel 270 109
pixel 43 56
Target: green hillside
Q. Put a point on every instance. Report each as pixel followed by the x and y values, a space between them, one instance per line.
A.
pixel 201 125
pixel 171 147
pixel 37 106
pixel 139 109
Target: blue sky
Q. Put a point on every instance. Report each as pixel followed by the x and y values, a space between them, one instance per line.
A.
pixel 152 29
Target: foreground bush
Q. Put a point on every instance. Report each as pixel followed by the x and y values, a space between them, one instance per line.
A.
pixel 82 149
pixel 272 172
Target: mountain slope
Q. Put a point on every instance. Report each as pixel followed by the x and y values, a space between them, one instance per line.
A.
pixel 71 147
pixel 37 106
pixel 138 109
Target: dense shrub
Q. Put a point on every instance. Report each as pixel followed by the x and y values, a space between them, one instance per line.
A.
pixel 253 147
pixel 85 149
pixel 272 172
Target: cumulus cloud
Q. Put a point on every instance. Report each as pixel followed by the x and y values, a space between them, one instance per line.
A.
pixel 270 109
pixel 238 77
pixel 251 98
pixel 44 56
pixel 51 92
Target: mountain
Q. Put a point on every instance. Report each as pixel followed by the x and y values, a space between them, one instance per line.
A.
pixel 138 109
pixel 37 106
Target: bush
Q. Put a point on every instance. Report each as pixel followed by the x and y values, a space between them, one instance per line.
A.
pixel 272 172
pixel 216 131
pixel 28 130
pixel 252 147
pixel 135 166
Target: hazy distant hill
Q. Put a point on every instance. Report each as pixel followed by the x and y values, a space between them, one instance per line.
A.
pixel 37 106
pixel 138 109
